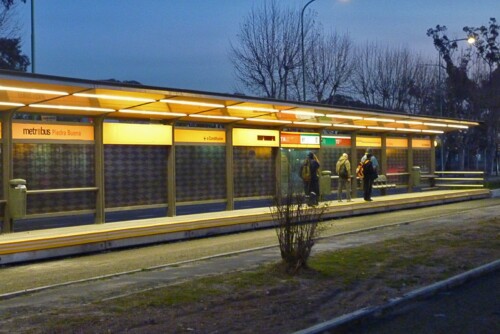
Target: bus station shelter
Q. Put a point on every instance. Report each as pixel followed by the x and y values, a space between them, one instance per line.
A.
pixel 97 147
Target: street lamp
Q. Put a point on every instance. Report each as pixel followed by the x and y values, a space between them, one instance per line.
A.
pixel 32 36
pixel 302 45
pixel 470 40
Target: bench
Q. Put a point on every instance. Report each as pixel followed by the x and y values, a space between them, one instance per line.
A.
pixel 381 183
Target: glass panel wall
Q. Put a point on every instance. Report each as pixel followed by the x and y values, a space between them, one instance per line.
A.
pixel 55 166
pixel 254 172
pixel 200 173
pixel 135 175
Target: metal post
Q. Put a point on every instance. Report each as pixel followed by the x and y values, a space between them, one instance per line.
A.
pixel 7 173
pixel 32 36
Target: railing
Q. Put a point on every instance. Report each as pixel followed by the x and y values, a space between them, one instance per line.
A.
pixel 459 179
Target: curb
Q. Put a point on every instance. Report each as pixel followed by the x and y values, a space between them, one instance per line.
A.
pixel 374 312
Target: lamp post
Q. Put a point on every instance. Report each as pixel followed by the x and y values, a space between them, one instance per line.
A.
pixel 470 40
pixel 302 48
pixel 32 36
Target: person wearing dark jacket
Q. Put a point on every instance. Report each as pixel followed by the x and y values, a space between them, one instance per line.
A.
pixel 314 183
pixel 369 175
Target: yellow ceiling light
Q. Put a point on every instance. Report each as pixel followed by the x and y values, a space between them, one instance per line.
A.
pixel 410 122
pixel 302 113
pixel 252 108
pixel 233 118
pixel 436 124
pixel 432 131
pixel 62 107
pixel 193 103
pixel 12 104
pixel 458 126
pixel 408 130
pixel 312 123
pixel 150 112
pixel 115 97
pixel 275 121
pixel 32 90
pixel 377 119
pixel 380 128
pixel 343 116
pixel 352 126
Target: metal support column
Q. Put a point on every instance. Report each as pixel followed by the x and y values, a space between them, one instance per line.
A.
pixel 276 152
pixel 100 200
pixel 171 184
pixel 229 168
pixel 433 155
pixel 7 170
pixel 354 163
pixel 383 156
pixel 410 163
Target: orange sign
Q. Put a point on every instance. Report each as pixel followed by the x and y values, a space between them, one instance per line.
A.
pixel 300 139
pixel 421 143
pixel 397 142
pixel 368 142
pixel 42 131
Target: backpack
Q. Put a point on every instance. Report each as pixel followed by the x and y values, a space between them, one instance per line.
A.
pixel 365 168
pixel 305 171
pixel 343 171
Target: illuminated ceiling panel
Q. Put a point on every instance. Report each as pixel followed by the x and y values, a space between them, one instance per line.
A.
pixel 84 97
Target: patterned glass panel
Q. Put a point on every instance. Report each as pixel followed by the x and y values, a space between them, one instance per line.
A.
pixel 200 173
pixel 60 202
pixel 135 175
pixel 54 166
pixel 397 160
pixel 422 158
pixel 254 171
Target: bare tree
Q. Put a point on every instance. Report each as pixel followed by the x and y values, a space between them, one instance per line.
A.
pixel 330 64
pixel 266 51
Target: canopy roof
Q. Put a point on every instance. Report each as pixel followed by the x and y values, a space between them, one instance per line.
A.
pixel 32 93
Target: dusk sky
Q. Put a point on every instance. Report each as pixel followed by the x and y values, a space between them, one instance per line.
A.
pixel 185 43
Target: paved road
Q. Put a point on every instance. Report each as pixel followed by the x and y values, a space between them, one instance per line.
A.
pixel 473 308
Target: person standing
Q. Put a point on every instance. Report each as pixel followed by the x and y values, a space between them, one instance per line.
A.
pixel 343 169
pixel 309 174
pixel 369 174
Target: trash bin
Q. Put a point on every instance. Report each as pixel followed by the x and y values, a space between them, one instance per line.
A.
pixel 415 176
pixel 16 200
pixel 325 183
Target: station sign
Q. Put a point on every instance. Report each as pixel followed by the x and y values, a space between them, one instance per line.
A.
pixel 137 134
pixel 199 136
pixel 368 141
pixel 397 142
pixel 336 141
pixel 300 140
pixel 421 143
pixel 43 131
pixel 255 137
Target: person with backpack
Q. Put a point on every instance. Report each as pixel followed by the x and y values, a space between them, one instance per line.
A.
pixel 309 174
pixel 343 169
pixel 369 165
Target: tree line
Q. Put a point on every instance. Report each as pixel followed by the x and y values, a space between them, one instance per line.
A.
pixel 465 83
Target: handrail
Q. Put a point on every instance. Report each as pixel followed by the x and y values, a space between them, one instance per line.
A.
pixel 459 172
pixel 60 190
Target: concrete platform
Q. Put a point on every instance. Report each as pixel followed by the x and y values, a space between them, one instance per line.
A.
pixel 42 244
